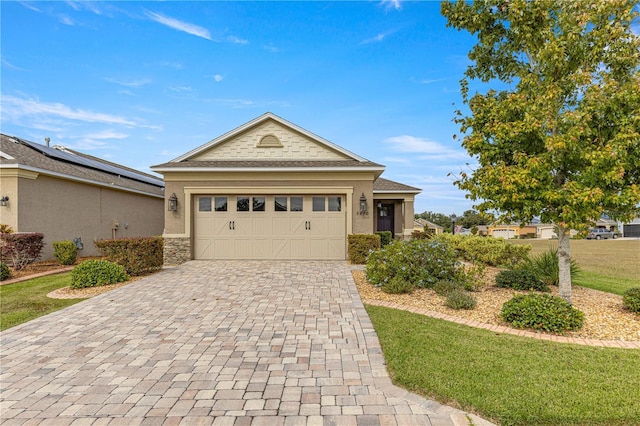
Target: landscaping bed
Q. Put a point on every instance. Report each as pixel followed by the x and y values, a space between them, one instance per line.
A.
pixel 605 316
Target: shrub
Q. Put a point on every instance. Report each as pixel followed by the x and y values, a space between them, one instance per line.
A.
pixel 631 299
pixel 385 237
pixel 138 255
pixel 520 279
pixel 488 250
pixel 5 273
pixel 360 245
pixel 460 299
pixel 5 229
pixel 65 251
pixel 22 249
pixel 545 267
pixel 397 285
pixel 444 287
pixel 93 273
pixel 541 312
pixel 420 262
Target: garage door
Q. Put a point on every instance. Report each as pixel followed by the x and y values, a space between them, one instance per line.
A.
pixel 631 230
pixel 504 233
pixel 269 227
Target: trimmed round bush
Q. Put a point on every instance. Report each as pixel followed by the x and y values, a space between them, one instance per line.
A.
pixel 94 273
pixel 631 299
pixel 520 279
pixel 460 299
pixel 5 272
pixel 65 251
pixel 542 312
pixel 397 285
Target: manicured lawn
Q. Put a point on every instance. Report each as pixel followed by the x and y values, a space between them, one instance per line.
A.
pixel 608 265
pixel 24 301
pixel 511 380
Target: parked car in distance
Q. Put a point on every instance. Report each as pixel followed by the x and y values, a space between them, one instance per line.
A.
pixel 601 234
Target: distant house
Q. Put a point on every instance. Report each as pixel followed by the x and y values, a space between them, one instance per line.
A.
pixel 270 189
pixel 423 224
pixel 631 229
pixel 67 195
pixel 515 230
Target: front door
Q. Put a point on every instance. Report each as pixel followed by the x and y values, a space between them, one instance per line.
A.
pixel 385 218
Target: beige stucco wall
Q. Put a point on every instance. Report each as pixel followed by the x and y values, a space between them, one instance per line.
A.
pixel 64 209
pixel 9 188
pixel 351 185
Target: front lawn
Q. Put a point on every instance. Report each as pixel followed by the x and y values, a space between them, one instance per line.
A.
pixel 24 301
pixel 511 380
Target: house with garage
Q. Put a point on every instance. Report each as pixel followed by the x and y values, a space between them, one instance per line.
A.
pixel 270 189
pixel 68 195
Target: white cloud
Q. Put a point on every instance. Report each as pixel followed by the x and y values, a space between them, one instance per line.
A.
pixel 66 20
pixel 378 38
pixel 180 25
pixel 10 65
pixel 31 112
pixel 130 83
pixel 248 103
pixel 236 40
pixel 391 4
pixel 175 65
pixel 181 89
pixel 271 48
pixel 425 149
pixel 30 6
pixel 107 134
pixel 218 78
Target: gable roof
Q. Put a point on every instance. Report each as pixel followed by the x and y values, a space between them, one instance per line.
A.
pixel 381 186
pixel 212 155
pixel 256 122
pixel 58 161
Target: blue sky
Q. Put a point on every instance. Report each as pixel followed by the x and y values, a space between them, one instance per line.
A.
pixel 140 83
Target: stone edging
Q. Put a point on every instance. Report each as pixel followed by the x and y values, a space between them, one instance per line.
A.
pixel 622 344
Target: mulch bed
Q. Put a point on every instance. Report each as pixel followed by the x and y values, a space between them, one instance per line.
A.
pixel 605 316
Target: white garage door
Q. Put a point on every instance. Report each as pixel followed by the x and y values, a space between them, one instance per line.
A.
pixel 504 233
pixel 269 227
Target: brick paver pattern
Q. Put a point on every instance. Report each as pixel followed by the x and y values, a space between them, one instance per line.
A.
pixel 223 343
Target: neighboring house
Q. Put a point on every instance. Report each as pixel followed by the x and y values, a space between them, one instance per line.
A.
pixel 423 224
pixel 608 224
pixel 631 229
pixel 515 230
pixel 270 189
pixel 67 195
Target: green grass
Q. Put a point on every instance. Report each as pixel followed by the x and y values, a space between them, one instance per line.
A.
pixel 607 265
pixel 24 301
pixel 509 379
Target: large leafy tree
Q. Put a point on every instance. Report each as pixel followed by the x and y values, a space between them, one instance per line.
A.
pixel 557 132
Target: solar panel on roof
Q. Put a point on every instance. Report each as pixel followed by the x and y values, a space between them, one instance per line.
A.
pixel 90 163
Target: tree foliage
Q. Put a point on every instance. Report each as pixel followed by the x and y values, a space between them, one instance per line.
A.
pixel 560 136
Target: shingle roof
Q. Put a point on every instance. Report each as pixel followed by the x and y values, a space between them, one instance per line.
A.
pixel 25 154
pixel 385 185
pixel 269 164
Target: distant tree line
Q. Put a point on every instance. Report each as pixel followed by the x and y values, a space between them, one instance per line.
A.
pixel 469 219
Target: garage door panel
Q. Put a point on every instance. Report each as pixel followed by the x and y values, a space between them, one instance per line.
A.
pixel 269 234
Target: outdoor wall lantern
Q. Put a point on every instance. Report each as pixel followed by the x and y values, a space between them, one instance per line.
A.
pixel 3 201
pixel 173 203
pixel 364 209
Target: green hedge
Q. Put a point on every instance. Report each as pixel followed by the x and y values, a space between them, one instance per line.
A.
pixel 360 245
pixel 385 237
pixel 488 250
pixel 65 251
pixel 631 299
pixel 5 272
pixel 140 255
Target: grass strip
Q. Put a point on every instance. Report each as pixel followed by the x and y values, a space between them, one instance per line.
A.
pixel 615 285
pixel 509 379
pixel 24 301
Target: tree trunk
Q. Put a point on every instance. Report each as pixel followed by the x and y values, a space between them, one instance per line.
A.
pixel 564 263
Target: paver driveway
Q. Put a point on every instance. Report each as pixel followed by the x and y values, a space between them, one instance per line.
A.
pixel 274 343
